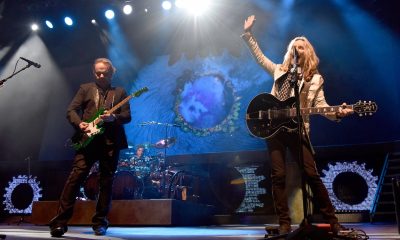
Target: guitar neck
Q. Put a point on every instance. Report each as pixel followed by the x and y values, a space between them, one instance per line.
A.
pixel 291 112
pixel 97 120
pixel 319 110
pixel 112 110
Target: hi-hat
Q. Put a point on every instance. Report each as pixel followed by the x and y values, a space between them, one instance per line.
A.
pixel 165 143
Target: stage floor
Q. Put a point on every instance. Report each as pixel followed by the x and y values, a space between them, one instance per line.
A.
pixel 237 232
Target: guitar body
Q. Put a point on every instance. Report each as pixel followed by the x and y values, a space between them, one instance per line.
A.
pixel 82 139
pixel 260 124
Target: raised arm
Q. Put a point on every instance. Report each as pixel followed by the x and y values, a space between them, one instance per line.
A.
pixel 255 50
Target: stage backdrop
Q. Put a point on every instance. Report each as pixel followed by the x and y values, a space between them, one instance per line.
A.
pixel 200 74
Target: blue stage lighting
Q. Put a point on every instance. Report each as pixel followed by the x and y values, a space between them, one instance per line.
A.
pixel 68 21
pixel 49 24
pixel 109 14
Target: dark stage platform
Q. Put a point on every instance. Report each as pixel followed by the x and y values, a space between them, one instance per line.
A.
pixel 155 212
pixel 225 232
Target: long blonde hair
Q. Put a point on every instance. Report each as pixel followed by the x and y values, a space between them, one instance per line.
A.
pixel 311 60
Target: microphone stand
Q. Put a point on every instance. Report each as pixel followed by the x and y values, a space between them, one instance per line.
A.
pixel 12 75
pixel 305 224
pixel 28 159
pixel 295 85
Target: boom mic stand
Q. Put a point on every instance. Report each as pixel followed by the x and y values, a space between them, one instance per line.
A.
pixel 2 81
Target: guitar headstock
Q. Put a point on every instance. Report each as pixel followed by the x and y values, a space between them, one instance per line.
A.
pixel 364 108
pixel 139 92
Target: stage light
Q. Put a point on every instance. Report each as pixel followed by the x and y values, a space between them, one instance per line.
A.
pixel 68 21
pixel 127 9
pixel 197 7
pixel 49 24
pixel 94 22
pixel 146 10
pixel 34 27
pixel 166 5
pixel 109 14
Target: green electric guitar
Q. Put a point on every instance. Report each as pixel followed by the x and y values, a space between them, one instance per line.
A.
pixel 82 139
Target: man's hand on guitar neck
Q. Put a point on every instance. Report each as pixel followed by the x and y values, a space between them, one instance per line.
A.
pixel 106 117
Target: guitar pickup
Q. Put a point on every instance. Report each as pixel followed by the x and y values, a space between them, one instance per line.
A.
pixel 259 115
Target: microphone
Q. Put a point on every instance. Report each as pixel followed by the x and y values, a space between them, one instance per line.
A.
pixel 295 55
pixel 37 65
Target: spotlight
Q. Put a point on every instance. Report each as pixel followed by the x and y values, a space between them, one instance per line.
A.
pixel 166 5
pixel 94 22
pixel 127 9
pixel 197 7
pixel 34 27
pixel 109 14
pixel 68 21
pixel 49 24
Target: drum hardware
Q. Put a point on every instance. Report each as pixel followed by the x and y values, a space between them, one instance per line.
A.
pixel 147 177
pixel 165 143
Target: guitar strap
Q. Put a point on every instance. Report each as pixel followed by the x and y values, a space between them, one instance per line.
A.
pixel 304 93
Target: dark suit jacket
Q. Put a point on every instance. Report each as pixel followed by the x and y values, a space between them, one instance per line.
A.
pixel 87 103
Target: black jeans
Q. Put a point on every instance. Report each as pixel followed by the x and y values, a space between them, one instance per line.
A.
pixel 277 147
pixel 107 156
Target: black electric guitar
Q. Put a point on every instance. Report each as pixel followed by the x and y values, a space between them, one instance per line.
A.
pixel 82 139
pixel 266 115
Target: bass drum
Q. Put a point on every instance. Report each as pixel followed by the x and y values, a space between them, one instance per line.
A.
pixel 126 186
pixel 91 186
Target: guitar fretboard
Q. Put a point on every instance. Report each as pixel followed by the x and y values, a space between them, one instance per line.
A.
pixel 291 112
pixel 113 109
pixel 119 104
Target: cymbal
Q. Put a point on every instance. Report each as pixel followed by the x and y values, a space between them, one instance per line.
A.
pixel 144 145
pixel 165 143
pixel 127 153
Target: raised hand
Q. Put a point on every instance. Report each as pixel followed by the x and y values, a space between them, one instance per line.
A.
pixel 249 23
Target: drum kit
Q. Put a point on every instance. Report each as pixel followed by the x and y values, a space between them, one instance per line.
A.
pixel 145 177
